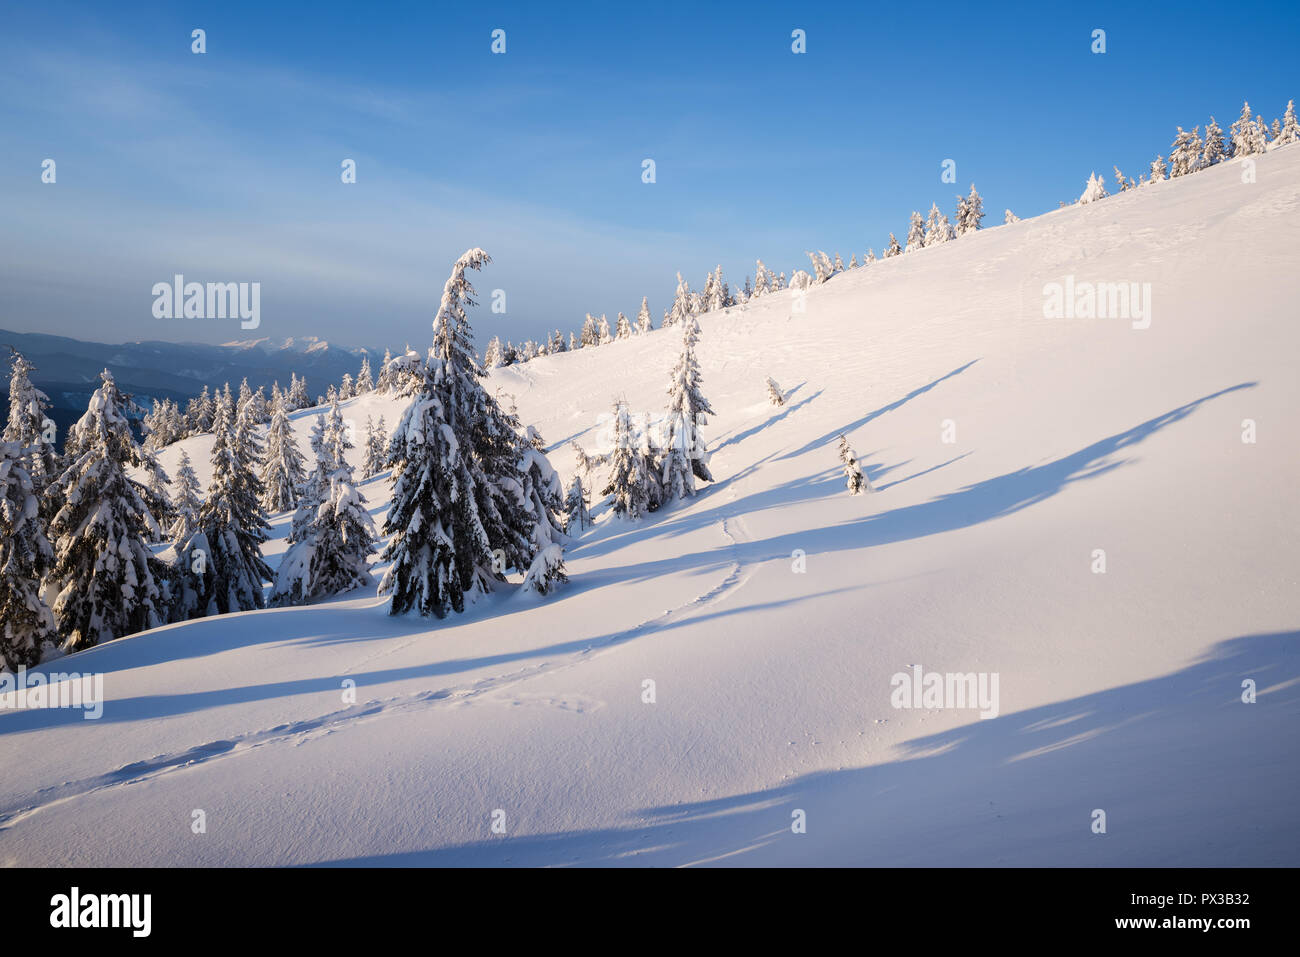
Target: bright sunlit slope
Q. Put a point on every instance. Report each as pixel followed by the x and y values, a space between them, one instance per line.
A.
pixel 1006 449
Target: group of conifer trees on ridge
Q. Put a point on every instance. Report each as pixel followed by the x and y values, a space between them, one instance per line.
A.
pixel 82 533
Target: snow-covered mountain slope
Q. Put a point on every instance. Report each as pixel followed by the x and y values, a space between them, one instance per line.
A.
pixel 1118 691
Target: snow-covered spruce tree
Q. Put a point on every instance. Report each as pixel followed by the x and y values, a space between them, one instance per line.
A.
pixel 282 465
pixel 932 226
pixel 643 321
pixel 187 503
pixel 492 357
pixel 332 553
pixel 29 425
pixel 27 626
pixel 106 576
pixel 1159 170
pixel 311 492
pixel 681 307
pixel 384 381
pixel 762 279
pixel 459 518
pixel 365 381
pixel 624 328
pixel 198 414
pixel 857 482
pixel 375 460
pixel 543 494
pixel 590 334
pixel 1245 135
pixel 298 398
pixel 1213 152
pixel 576 501
pixel 683 452
pixel 603 330
pixel 1290 132
pixel 915 233
pixel 1095 190
pixel 972 213
pixel 155 493
pixel 632 478
pixel 715 298
pixel 893 249
pixel 232 520
pixel 871 256
pixel 1010 218
pixel 1185 154
pixel 775 394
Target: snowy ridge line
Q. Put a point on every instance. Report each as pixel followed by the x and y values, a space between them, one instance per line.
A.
pixel 302 731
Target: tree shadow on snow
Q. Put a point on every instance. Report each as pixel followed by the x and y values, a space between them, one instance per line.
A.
pixel 1186 771
pixel 897 403
pixel 982 502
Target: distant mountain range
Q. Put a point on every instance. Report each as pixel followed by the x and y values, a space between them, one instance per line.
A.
pixel 68 369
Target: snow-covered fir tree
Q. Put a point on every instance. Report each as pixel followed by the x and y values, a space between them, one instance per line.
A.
pixel 633 478
pixel 1185 155
pixel 602 330
pixel 105 574
pixel 1010 218
pixel 282 465
pixel 775 395
pixel 375 460
pixel 297 394
pixel 1213 151
pixel 1290 132
pixel 893 249
pixel 27 628
pixel 762 278
pixel 30 427
pixel 643 323
pixel 590 335
pixel 332 551
pixel 187 502
pixel 156 494
pixel 915 233
pixel 194 414
pixel 384 382
pixel 543 493
pixel 1095 190
pixel 971 214
pixel 624 328
pixel 683 453
pixel 857 482
pixel 1158 170
pixel 576 501
pixel 715 294
pixel 681 307
pixel 1247 137
pixel 311 492
pixel 937 228
pixel 365 381
pixel 459 518
pixel 232 520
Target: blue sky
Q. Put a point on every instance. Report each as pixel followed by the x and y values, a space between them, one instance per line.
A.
pixel 225 166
